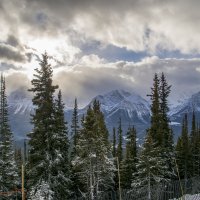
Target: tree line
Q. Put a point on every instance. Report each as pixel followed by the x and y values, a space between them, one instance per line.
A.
pixel 88 164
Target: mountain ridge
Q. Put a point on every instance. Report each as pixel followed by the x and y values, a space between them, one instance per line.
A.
pixel 130 106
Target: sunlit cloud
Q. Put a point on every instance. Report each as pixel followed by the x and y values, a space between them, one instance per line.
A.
pixel 97 46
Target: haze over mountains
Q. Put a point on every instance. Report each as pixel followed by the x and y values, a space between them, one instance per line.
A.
pixel 131 107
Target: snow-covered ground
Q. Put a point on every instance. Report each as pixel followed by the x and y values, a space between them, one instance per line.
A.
pixel 189 197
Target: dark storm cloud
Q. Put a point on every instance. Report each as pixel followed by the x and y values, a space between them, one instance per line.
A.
pixel 13 41
pixel 13 50
pixel 147 26
pixel 138 25
pixel 10 53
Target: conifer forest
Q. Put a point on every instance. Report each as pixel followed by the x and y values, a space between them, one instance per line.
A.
pixel 99 99
pixel 82 160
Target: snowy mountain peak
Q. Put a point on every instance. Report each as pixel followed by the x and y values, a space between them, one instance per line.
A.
pixel 117 96
pixel 187 105
pixel 20 101
pixel 124 103
pixel 18 95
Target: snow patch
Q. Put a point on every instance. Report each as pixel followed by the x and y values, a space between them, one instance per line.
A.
pixel 175 124
pixel 189 197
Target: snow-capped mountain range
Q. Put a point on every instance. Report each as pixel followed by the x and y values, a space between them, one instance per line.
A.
pixel 130 107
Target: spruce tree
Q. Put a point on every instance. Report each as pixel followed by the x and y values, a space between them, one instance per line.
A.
pixel 154 130
pixel 48 164
pixel 195 148
pixel 61 165
pixel 74 128
pixel 160 130
pixel 156 157
pixel 164 92
pixel 150 169
pixel 129 162
pixel 94 155
pixel 75 131
pixel 8 168
pixel 183 151
pixel 166 132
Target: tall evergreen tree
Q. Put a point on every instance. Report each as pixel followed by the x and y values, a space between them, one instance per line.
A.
pixel 164 92
pixel 155 112
pixel 156 158
pixel 166 132
pixel 74 128
pixel 195 147
pixel 183 151
pixel 8 168
pixel 61 170
pixel 94 156
pixel 48 142
pixel 129 162
pixel 151 169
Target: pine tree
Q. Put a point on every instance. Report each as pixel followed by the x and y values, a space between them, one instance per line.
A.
pixel 61 169
pixel 160 131
pixel 8 168
pixel 48 163
pixel 166 132
pixel 129 162
pixel 165 90
pixel 154 130
pixel 156 158
pixel 94 157
pixel 74 128
pixel 150 169
pixel 75 131
pixel 195 149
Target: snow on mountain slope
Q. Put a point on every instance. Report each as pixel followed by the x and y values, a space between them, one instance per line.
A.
pixel 130 107
pixel 187 106
pixel 20 102
pixel 20 107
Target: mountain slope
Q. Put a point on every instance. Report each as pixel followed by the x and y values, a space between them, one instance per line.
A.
pixel 187 106
pixel 20 107
pixel 132 108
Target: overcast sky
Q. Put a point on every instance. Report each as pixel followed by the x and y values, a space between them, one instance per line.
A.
pixel 100 45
